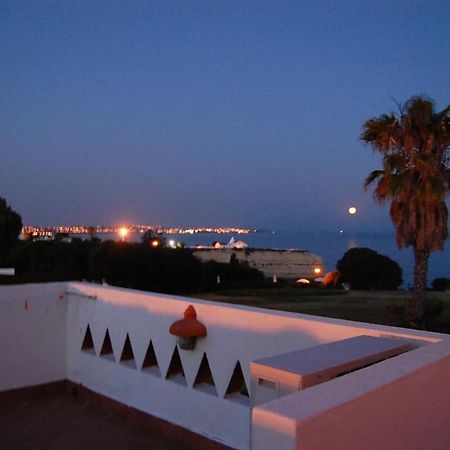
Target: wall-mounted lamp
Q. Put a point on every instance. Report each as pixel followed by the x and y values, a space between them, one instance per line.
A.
pixel 187 330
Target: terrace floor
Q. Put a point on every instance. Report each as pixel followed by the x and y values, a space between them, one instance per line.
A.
pixel 58 420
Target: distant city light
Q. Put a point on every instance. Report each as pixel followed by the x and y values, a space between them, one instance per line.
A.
pixel 317 270
pixel 352 210
pixel 102 229
pixel 123 232
pixel 172 243
pixel 155 243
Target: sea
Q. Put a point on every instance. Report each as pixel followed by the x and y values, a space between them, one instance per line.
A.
pixel 330 245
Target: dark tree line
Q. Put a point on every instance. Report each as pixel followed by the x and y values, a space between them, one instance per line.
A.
pixel 10 228
pixel 130 265
pixel 141 265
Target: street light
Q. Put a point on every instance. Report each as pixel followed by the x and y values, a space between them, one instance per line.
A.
pixel 123 232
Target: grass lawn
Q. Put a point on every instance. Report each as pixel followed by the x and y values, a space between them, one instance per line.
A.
pixel 381 307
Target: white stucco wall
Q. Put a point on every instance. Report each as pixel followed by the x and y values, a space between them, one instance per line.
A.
pixel 43 343
pixel 235 333
pixel 33 330
pixel 149 319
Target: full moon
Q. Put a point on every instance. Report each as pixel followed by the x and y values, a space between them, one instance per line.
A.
pixel 352 210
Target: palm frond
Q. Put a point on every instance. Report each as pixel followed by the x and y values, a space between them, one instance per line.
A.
pixel 415 177
pixel 374 175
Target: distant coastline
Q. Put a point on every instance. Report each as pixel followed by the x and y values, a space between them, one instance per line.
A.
pixel 330 245
pixel 113 229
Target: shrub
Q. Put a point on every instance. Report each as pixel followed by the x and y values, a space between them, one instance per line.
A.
pixel 138 266
pixel 440 284
pixel 364 268
pixel 52 259
pixel 231 275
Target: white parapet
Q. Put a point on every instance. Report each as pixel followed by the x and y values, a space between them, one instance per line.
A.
pixel 116 342
pixel 400 403
pixel 33 329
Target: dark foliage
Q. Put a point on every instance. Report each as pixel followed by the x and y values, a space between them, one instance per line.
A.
pixel 62 260
pixel 138 266
pixel 364 268
pixel 440 284
pixel 10 228
pixel 168 270
pixel 153 239
pixel 231 275
pixel 131 265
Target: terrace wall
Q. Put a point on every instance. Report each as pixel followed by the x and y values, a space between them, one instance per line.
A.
pixel 33 328
pixel 44 342
pixel 400 403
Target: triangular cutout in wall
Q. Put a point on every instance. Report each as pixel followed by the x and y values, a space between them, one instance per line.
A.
pixel 150 363
pixel 88 342
pixel 237 382
pixel 175 370
pixel 127 356
pixel 107 350
pixel 204 379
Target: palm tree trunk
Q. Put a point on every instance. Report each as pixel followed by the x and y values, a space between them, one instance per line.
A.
pixel 416 303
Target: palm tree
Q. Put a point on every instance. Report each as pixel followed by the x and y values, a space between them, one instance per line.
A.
pixel 415 178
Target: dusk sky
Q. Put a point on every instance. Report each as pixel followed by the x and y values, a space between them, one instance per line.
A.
pixel 219 113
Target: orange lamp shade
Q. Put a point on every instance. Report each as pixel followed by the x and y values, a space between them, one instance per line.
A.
pixel 189 326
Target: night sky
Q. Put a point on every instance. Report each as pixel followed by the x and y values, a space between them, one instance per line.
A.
pixel 219 113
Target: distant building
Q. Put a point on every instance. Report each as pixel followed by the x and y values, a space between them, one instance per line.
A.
pixel 288 264
pixel 231 244
pixel 42 236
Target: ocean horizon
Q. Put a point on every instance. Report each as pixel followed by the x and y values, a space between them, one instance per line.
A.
pixel 330 245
